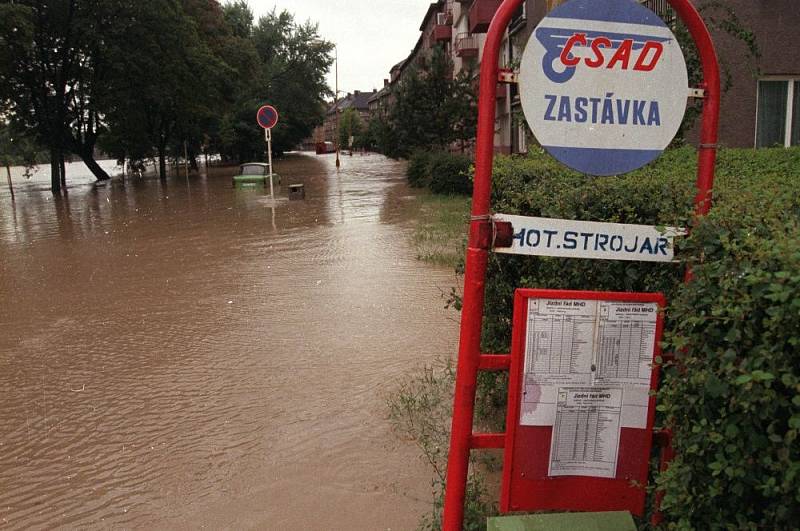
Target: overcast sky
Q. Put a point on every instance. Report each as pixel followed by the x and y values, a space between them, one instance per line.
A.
pixel 372 35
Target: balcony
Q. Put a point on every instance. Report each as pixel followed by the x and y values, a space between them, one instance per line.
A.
pixel 443 30
pixel 466 45
pixel 662 8
pixel 481 13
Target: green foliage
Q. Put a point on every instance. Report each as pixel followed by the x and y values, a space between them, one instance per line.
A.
pixel 419 408
pixel 55 70
pixel 419 168
pixel 442 172
pixel 381 136
pixel 432 109
pixel 732 397
pixel 16 150
pixel 440 231
pixel 143 78
pixel 660 194
pixel 350 125
pixel 450 174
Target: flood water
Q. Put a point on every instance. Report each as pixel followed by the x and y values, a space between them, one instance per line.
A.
pixel 188 355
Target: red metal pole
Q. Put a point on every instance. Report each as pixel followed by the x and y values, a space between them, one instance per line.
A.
pixel 709 132
pixel 706 158
pixel 474 276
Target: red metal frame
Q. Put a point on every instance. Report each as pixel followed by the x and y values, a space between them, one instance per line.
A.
pixel 470 359
pixel 526 486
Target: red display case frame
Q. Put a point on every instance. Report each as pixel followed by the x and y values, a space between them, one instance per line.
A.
pixel 525 484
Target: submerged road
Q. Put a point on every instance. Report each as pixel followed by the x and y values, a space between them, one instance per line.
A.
pixel 185 354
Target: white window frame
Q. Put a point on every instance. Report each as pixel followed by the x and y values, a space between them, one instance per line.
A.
pixel 790 110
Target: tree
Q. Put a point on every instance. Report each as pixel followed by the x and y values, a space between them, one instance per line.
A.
pixel 55 72
pixel 160 60
pixel 350 126
pixel 432 109
pixel 292 63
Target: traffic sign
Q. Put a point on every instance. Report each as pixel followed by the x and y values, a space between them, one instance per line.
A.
pixel 267 117
pixel 603 85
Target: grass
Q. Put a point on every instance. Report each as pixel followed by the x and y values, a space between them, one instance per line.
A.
pixel 420 406
pixel 420 410
pixel 441 232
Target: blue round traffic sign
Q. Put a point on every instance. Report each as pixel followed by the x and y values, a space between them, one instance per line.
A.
pixel 603 85
pixel 267 116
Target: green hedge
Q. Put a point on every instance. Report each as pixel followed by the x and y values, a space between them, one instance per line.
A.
pixel 418 170
pixel 732 399
pixel 441 172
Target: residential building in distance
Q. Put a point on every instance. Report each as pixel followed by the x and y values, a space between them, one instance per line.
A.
pixel 357 100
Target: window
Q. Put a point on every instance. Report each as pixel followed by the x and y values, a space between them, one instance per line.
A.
pixel 778 118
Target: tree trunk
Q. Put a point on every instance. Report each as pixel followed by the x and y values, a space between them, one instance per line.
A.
pixel 55 171
pixel 98 172
pixel 62 168
pixel 193 161
pixel 162 163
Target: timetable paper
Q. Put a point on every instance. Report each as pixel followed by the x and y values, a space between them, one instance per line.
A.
pixel 586 432
pixel 571 342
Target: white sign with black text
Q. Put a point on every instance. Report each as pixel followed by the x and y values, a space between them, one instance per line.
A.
pixel 588 239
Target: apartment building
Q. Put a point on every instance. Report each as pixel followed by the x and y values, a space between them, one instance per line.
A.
pixel 357 100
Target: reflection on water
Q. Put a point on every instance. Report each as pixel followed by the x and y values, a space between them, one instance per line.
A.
pixel 184 353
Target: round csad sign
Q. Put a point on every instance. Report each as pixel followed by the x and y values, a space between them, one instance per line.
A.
pixel 267 116
pixel 603 85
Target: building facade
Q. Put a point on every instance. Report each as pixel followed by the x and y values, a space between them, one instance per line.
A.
pixel 357 100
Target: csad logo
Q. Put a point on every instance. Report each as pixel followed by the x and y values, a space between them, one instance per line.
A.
pixel 603 85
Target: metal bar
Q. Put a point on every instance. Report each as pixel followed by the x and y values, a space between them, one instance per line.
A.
pixel 268 135
pixel 10 184
pixel 474 277
pixel 487 441
pixel 663 439
pixel 494 362
pixel 709 132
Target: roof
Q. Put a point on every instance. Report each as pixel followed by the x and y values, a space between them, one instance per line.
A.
pixel 382 93
pixel 432 9
pixel 357 100
pixel 399 65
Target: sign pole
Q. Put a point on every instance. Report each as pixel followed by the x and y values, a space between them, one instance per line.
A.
pixel 185 159
pixel 470 359
pixel 267 118
pixel 480 236
pixel 10 184
pixel 268 136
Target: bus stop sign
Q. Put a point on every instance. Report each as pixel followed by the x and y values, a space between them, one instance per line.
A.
pixel 603 85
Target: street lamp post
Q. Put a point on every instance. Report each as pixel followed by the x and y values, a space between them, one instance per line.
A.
pixel 335 96
pixel 336 101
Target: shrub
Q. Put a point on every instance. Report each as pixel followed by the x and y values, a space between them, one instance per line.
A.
pixel 450 174
pixel 441 172
pixel 418 170
pixel 733 396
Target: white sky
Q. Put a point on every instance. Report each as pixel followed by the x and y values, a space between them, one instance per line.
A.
pixel 371 35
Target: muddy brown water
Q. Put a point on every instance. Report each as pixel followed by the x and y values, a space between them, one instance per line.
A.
pixel 184 355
